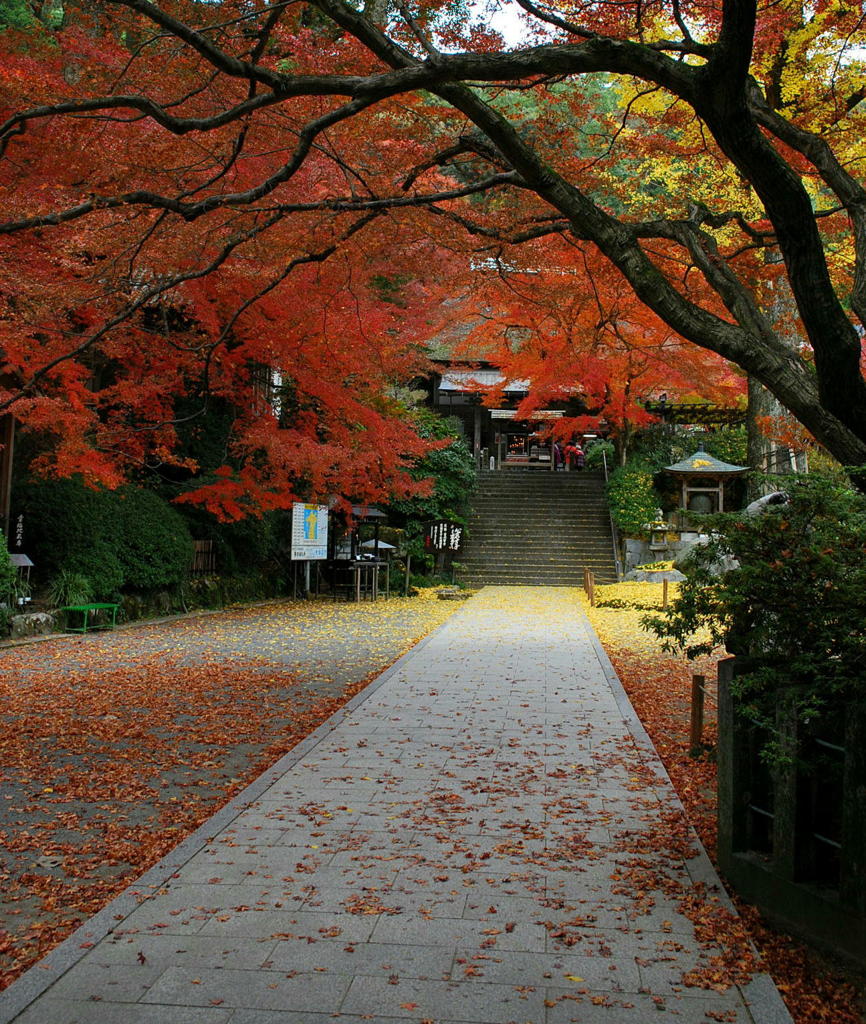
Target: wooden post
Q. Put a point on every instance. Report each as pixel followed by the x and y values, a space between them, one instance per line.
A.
pixel 664 593
pixel 697 724
pixel 591 578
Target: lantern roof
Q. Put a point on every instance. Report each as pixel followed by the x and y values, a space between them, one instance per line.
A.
pixel 704 464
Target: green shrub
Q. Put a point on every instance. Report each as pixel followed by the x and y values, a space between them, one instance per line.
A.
pixel 69 526
pixel 633 499
pixel 156 549
pixel 420 582
pixel 69 587
pixel 729 445
pixel 598 452
pixel 129 537
pixel 8 595
pixel 241 547
pixel 452 470
pixel 662 445
pixel 792 601
pixel 8 574
pixel 16 14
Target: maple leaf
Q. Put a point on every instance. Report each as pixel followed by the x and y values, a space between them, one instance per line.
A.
pixel 189 735
pixel 659 687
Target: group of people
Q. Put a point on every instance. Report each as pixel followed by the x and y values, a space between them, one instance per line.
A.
pixel 571 456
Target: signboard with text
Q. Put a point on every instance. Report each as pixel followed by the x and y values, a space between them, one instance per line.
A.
pixel 539 414
pixel 309 532
pixel 444 536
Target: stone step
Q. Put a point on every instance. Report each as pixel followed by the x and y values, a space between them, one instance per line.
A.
pixel 529 580
pixel 576 568
pixel 572 539
pixel 566 494
pixel 551 494
pixel 521 550
pixel 538 516
pixel 585 562
pixel 490 508
pixel 487 529
pixel 538 528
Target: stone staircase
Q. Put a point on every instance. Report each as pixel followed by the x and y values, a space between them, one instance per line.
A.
pixel 532 527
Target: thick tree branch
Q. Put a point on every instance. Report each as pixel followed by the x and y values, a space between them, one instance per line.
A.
pixel 849 191
pixel 176 125
pixel 834 341
pixel 224 62
pixel 193 211
pixel 345 204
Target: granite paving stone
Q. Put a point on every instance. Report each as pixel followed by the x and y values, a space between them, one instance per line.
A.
pixel 63 1011
pixel 412 999
pixel 163 951
pixel 476 840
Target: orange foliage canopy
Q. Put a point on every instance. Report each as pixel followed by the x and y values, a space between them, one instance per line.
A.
pixel 200 193
pixel 123 325
pixel 576 331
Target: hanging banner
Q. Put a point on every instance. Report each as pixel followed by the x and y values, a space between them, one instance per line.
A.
pixel 444 536
pixel 309 532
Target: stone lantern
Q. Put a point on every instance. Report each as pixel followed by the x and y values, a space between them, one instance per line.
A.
pixel 658 536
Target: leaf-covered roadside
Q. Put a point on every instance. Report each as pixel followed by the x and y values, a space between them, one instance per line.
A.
pixel 113 747
pixel 659 687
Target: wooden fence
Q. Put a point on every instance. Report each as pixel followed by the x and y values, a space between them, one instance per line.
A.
pixel 792 837
pixel 204 559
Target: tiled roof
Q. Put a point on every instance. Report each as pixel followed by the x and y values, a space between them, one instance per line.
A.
pixel 703 462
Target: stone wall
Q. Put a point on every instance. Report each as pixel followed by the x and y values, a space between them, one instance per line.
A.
pixel 639 552
pixel 32 624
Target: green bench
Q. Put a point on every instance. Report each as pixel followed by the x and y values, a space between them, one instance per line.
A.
pixel 87 623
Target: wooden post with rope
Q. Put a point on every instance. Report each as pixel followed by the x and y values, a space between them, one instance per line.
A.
pixel 589 586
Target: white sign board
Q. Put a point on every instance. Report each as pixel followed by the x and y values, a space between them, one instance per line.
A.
pixel 539 414
pixel 309 532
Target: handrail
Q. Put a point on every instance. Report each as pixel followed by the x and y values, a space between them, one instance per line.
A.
pixel 614 532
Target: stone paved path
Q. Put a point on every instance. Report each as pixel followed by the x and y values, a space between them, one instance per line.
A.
pixel 114 742
pixel 483 836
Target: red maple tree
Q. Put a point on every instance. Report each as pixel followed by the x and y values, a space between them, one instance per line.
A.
pixel 576 333
pixel 196 164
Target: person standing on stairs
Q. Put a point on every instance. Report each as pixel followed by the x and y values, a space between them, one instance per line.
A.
pixel 570 455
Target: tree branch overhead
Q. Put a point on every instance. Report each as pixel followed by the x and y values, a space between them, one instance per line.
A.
pixel 260 132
